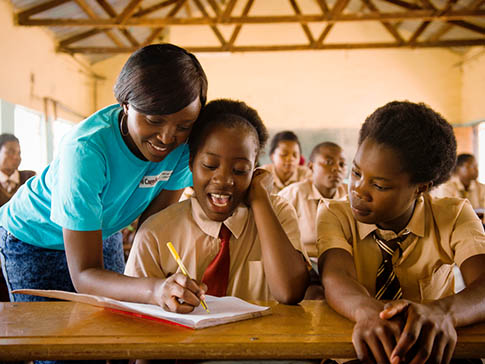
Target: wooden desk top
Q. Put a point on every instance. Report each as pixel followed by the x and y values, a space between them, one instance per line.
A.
pixel 67 330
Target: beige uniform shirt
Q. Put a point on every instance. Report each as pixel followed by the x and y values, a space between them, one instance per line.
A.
pixel 195 238
pixel 302 173
pixel 454 188
pixel 304 197
pixel 443 231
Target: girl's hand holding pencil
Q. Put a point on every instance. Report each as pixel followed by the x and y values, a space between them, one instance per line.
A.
pixel 180 292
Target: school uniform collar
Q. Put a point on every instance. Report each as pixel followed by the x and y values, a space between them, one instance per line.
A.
pixel 15 177
pixel 314 193
pixel 234 223
pixel 415 226
pixel 277 181
pixel 459 185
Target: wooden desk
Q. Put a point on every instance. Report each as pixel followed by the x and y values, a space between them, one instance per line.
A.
pixel 67 330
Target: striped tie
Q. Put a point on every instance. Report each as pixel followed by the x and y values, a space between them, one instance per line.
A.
pixel 387 284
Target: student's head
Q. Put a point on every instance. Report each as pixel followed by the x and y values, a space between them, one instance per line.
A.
pixel 404 149
pixel 328 166
pixel 466 168
pixel 9 153
pixel 223 153
pixel 285 152
pixel 161 88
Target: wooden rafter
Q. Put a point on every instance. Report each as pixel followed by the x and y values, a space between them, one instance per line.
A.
pixel 213 13
pixel 155 22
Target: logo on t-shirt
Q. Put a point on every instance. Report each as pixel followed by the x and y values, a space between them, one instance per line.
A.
pixel 151 181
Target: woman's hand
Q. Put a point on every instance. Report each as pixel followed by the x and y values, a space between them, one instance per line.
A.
pixel 429 332
pixel 178 293
pixel 374 338
pixel 261 185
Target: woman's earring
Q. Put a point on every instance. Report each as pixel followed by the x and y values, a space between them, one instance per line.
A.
pixel 122 122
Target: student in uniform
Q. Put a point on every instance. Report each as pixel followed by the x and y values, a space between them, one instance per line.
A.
pixel 463 183
pixel 61 229
pixel 231 226
pixel 392 241
pixel 285 154
pixel 10 181
pixel 328 166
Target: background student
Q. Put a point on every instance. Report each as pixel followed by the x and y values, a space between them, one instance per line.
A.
pixel 285 153
pixel 10 181
pixel 328 166
pixel 232 236
pixel 463 183
pixel 61 229
pixel 392 241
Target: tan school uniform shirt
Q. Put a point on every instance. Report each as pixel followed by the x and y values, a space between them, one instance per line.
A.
pixel 302 173
pixel 195 237
pixel 443 231
pixel 454 188
pixel 304 197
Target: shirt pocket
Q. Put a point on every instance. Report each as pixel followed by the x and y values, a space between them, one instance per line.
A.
pixel 437 285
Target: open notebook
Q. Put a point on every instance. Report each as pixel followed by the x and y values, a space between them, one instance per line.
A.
pixel 222 309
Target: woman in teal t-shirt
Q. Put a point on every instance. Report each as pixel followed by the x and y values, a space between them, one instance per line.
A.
pixel 61 229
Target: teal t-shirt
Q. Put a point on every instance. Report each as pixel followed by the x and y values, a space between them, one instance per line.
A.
pixel 94 183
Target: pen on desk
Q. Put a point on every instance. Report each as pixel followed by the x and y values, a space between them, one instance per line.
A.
pixel 183 269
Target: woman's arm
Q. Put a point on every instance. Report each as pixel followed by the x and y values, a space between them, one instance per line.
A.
pixel 373 338
pixel 84 254
pixel 285 268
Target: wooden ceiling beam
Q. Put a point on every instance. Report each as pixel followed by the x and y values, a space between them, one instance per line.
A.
pixel 214 28
pixel 25 14
pixel 156 7
pixel 128 11
pixel 475 5
pixel 112 13
pixel 390 28
pixel 157 22
pixel 326 46
pixel 237 28
pixel 323 6
pixel 304 26
pixel 336 10
pixel 229 8
pixel 87 9
pixel 156 32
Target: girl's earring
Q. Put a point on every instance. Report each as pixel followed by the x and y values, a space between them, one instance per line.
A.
pixel 122 123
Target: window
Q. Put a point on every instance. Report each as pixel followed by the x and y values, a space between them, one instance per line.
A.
pixel 30 130
pixel 59 129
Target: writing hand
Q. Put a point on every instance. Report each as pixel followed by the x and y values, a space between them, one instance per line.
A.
pixel 178 293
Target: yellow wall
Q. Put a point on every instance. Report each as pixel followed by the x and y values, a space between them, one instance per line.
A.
pixel 29 53
pixel 473 89
pixel 323 89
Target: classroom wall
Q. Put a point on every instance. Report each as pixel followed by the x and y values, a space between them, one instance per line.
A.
pixel 30 70
pixel 473 88
pixel 321 89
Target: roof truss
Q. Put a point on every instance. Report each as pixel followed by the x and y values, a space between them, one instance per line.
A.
pixel 462 14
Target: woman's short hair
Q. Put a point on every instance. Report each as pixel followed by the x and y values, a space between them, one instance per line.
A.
pixel 161 79
pixel 423 139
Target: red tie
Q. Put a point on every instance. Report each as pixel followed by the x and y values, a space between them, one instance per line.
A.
pixel 216 276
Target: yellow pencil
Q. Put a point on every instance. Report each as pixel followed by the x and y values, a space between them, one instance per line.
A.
pixel 183 269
